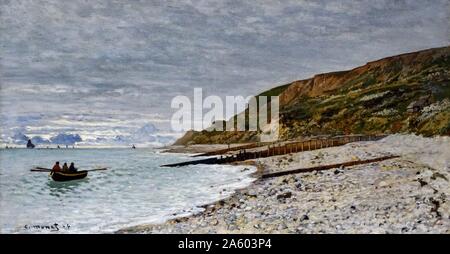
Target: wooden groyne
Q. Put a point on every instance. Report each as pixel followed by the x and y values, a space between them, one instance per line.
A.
pixel 275 149
pixel 230 149
pixel 325 167
pixel 186 163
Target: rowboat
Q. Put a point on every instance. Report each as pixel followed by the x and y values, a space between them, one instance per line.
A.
pixel 68 176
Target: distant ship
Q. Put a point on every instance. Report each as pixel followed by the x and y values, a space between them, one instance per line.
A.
pixel 30 145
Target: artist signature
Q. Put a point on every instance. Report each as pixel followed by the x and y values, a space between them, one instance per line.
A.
pixel 51 227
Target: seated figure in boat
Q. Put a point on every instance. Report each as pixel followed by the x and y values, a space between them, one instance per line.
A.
pixel 56 167
pixel 72 167
pixel 65 168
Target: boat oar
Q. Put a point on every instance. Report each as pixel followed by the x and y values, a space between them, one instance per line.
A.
pixel 43 168
pixel 39 169
pixel 96 169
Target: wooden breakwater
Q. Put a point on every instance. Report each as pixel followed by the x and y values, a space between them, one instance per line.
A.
pixel 230 149
pixel 275 149
pixel 213 160
pixel 325 167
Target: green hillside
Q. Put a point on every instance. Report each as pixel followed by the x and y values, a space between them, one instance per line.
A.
pixel 408 93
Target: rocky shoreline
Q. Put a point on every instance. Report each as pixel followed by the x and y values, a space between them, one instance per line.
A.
pixel 401 195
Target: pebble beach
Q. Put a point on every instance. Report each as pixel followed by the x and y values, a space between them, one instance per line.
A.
pixel 408 194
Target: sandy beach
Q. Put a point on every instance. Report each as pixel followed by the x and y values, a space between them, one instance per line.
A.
pixel 409 194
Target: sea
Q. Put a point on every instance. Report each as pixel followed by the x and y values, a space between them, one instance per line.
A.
pixel 134 190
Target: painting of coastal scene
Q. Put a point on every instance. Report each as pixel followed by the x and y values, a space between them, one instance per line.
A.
pixel 224 117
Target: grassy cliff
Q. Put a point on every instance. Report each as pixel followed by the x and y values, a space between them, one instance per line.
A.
pixel 408 93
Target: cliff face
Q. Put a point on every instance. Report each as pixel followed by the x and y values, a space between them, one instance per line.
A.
pixel 380 71
pixel 403 93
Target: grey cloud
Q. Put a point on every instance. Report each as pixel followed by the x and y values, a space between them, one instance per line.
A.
pixel 61 57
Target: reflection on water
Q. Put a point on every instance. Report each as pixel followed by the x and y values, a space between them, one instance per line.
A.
pixel 58 188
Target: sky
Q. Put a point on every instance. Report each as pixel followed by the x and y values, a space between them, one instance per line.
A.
pixel 108 70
